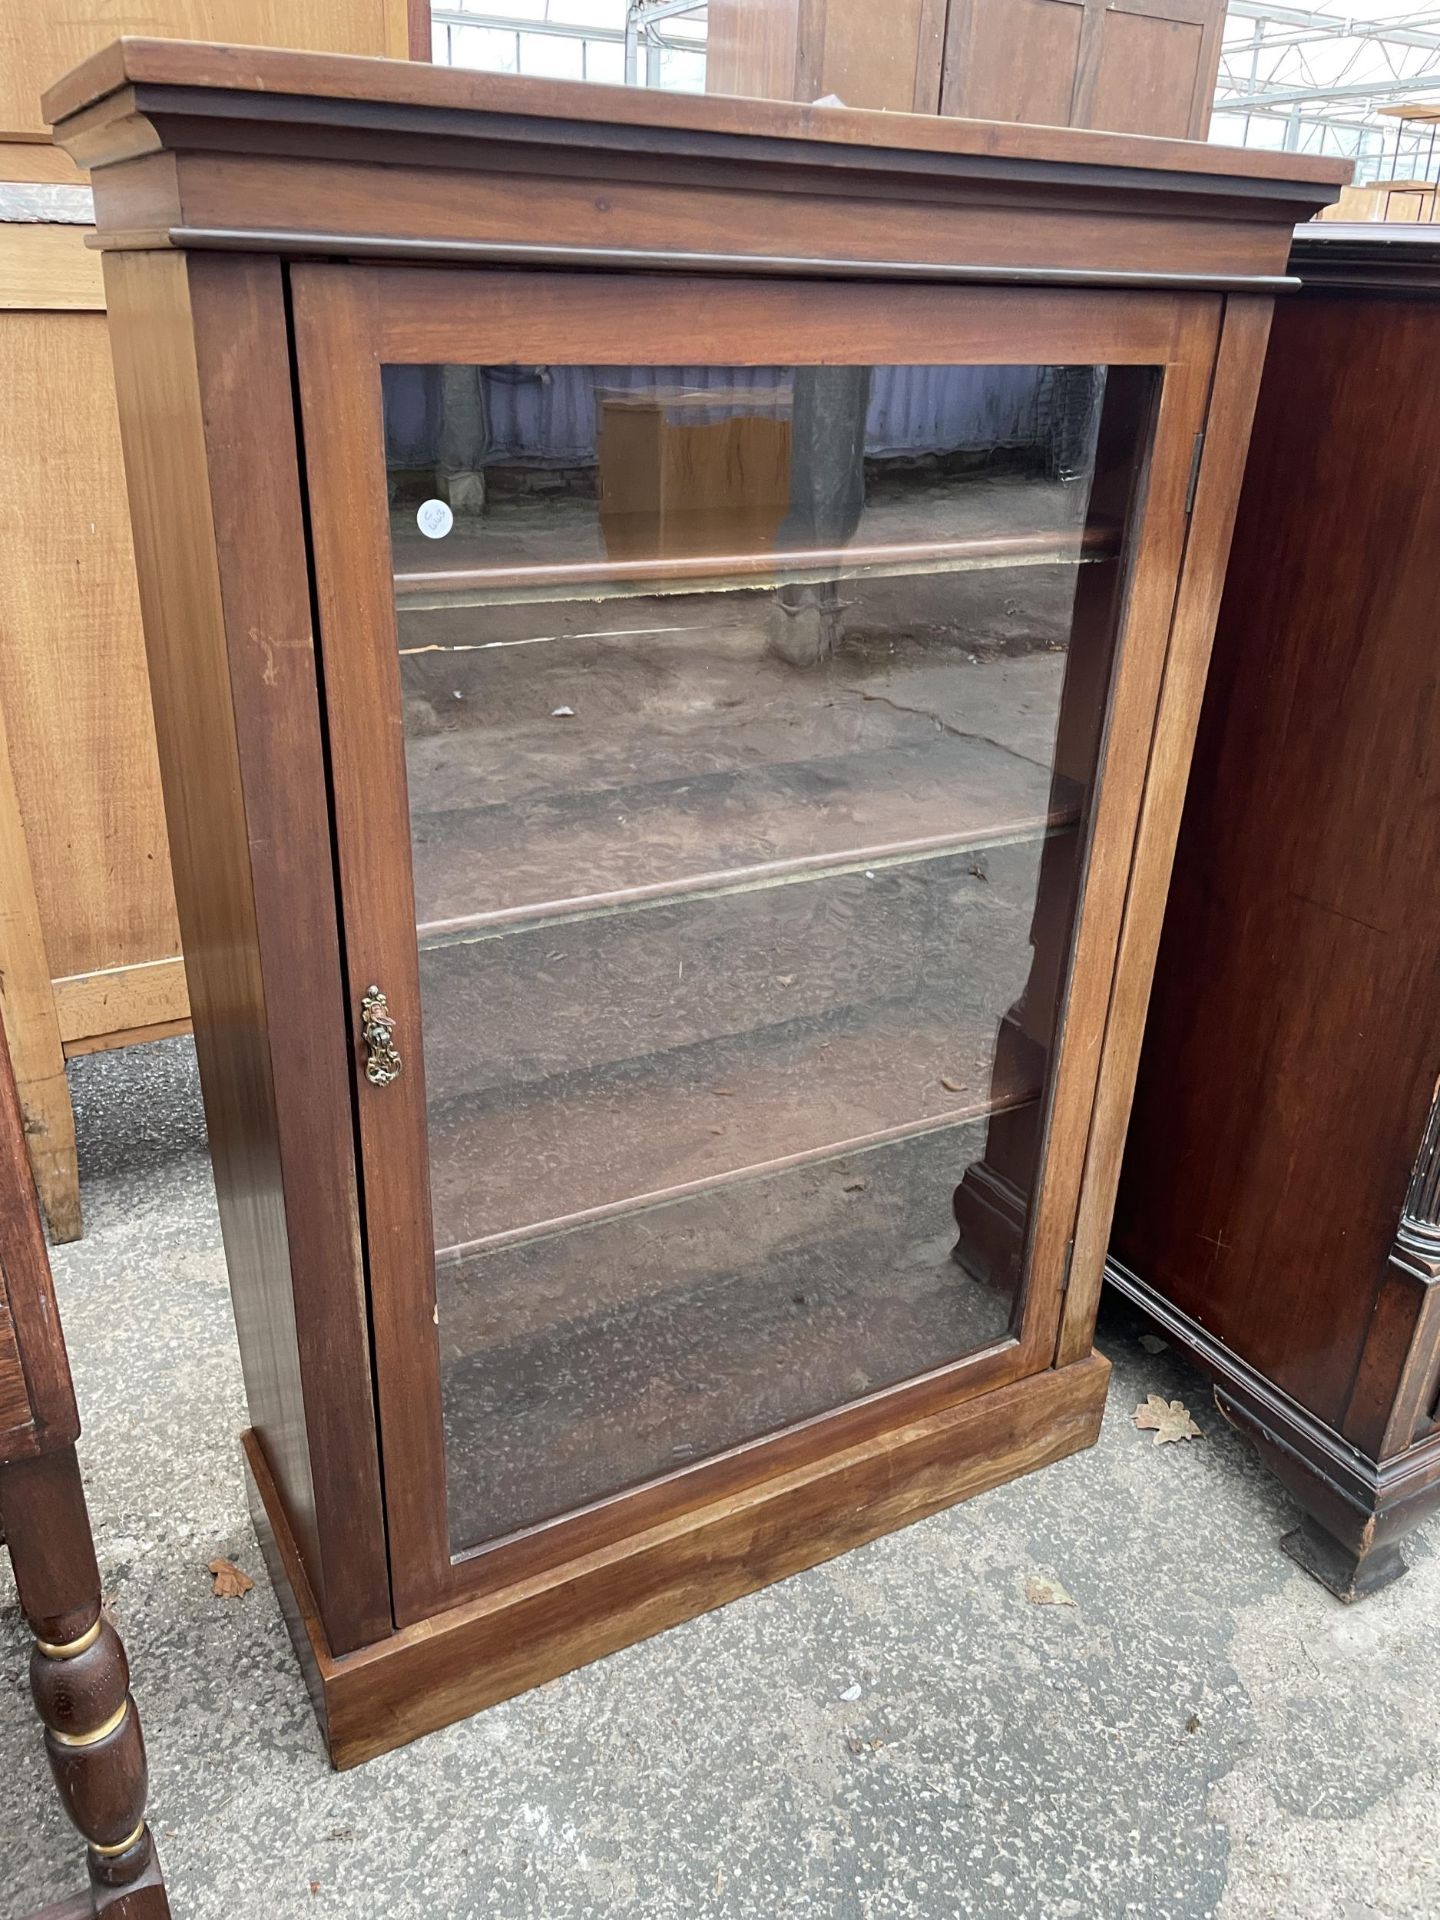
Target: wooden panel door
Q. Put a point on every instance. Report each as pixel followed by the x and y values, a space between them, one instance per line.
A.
pixel 896 71
pixel 739 698
pixel 812 49
pixel 1121 66
pixel 1012 60
pixel 752 48
pixel 1149 66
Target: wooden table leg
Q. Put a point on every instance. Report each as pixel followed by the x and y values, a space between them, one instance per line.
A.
pixel 80 1681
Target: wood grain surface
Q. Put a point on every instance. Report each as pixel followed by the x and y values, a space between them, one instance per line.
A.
pixel 42 39
pixel 37 1402
pixel 1295 995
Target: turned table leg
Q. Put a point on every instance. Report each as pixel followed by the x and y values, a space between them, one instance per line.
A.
pixel 80 1681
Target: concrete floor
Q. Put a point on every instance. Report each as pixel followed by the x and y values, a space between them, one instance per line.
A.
pixel 901 1732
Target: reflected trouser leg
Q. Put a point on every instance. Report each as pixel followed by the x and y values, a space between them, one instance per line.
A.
pixel 462 439
pixel 827 497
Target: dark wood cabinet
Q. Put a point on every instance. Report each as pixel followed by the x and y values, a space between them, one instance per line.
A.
pixel 1126 66
pixel 1279 1213
pixel 676 628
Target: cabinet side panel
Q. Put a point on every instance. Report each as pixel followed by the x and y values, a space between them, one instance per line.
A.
pixel 202 375
pixel 1293 1044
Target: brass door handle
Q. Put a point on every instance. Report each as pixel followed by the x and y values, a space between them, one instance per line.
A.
pixel 377 1029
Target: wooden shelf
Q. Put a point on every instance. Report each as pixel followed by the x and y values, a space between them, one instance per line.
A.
pixel 419 590
pixel 977 836
pixel 621 822
pixel 579 1365
pixel 537 1157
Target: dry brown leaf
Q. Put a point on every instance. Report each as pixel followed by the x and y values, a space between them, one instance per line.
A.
pixel 723 1093
pixel 230 1581
pixel 1041 1592
pixel 951 1086
pixel 1170 1419
pixel 856 1186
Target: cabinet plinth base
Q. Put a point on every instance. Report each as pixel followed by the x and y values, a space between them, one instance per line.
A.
pixel 1349 1576
pixel 1355 1509
pixel 482 1651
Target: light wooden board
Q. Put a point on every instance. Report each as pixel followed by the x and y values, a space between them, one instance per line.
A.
pixel 49 267
pixel 73 684
pixel 38 160
pixel 101 1006
pixel 42 39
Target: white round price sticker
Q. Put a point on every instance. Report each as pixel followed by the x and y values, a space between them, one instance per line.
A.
pixel 435 519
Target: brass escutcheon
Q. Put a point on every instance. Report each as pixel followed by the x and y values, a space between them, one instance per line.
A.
pixel 377 1029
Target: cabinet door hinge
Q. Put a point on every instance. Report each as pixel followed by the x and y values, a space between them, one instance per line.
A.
pixel 1194 479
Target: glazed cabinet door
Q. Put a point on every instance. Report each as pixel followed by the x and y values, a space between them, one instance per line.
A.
pixel 738 696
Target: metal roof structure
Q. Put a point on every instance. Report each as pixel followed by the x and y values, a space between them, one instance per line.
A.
pixel 649 43
pixel 1327 80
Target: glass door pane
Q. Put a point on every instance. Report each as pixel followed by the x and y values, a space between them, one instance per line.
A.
pixel 752 717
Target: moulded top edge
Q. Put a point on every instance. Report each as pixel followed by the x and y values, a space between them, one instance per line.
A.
pixel 1369 256
pixel 270 75
pixel 1319 240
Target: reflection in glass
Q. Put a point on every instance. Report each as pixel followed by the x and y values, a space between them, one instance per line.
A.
pixel 752 718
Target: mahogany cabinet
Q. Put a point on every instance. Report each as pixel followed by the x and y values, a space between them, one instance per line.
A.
pixel 1279 1212
pixel 675 630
